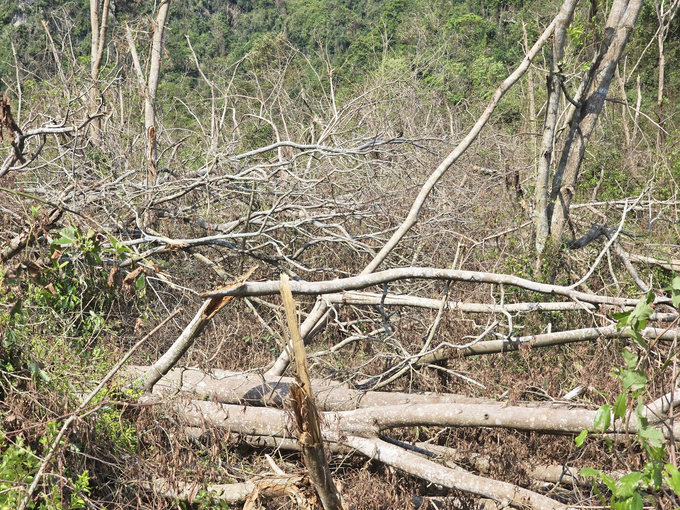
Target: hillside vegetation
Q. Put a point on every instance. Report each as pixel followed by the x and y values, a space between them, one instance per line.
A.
pixel 306 254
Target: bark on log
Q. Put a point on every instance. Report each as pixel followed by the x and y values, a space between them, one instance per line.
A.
pixel 273 422
pixel 373 298
pixel 232 493
pixel 545 340
pixel 426 273
pixel 369 422
pixel 227 387
pixel 506 493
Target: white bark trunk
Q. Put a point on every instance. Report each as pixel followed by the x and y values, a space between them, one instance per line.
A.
pixel 620 24
pixel 152 88
pixel 428 273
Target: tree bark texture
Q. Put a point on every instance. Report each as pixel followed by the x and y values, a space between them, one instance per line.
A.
pixel 261 421
pixel 305 411
pixel 152 88
pixel 97 51
pixel 554 84
pixel 427 273
pixel 619 25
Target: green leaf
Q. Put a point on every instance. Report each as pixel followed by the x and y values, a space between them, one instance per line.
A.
pixel 638 317
pixel 630 358
pixel 603 418
pixel 620 406
pixel 656 473
pixel 628 485
pixel 635 502
pixel 588 471
pixel 653 436
pixel 673 478
pixel 68 236
pixel 622 317
pixel 34 368
pixel 609 482
pixel 635 335
pixel 674 287
pixel 580 438
pixel 633 380
pixel 141 282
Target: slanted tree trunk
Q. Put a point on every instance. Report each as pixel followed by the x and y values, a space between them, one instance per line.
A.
pixel 596 84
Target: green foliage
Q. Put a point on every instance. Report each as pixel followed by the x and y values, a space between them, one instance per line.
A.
pixel 627 492
pixel 637 319
pixel 18 468
pixel 674 289
pixel 48 351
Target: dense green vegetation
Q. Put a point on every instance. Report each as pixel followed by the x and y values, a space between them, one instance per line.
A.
pixel 459 47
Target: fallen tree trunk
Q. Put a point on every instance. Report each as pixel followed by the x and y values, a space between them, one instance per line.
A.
pixel 413 464
pixel 373 298
pixel 452 458
pixel 231 493
pixel 544 340
pixel 426 273
pixel 224 387
pixel 275 422
pixel 258 421
pixel 259 390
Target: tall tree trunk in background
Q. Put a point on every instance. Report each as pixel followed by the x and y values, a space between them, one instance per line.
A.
pixel 617 30
pixel 150 92
pixel 554 84
pixel 665 19
pixel 97 50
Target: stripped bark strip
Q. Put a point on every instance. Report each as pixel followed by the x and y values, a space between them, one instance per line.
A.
pixel 13 131
pixel 306 414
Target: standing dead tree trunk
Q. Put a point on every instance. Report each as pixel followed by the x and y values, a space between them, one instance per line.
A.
pixel 665 18
pixel 97 51
pixel 150 92
pixel 595 85
pixel 149 85
pixel 554 85
pixel 306 414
